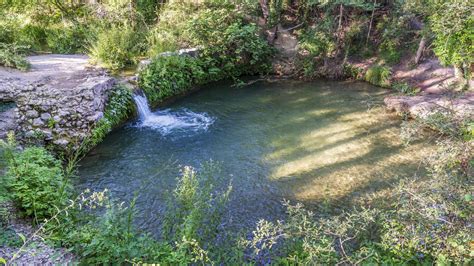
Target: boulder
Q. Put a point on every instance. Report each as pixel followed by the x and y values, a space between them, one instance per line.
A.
pixel 422 106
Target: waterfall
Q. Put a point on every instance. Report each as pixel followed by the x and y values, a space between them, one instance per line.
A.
pixel 142 106
pixel 169 121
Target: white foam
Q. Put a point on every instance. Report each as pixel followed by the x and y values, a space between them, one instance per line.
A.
pixel 168 121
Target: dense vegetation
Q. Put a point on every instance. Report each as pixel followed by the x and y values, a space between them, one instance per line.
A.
pixel 118 33
pixel 428 220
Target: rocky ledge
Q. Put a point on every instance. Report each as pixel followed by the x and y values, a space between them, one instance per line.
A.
pixel 422 106
pixel 57 101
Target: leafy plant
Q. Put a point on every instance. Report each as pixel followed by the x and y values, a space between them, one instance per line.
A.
pixel 12 55
pixel 65 39
pixel 378 75
pixel 8 238
pixel 195 210
pixel 168 76
pixel 390 52
pixel 36 181
pixel 117 48
pixel 112 238
pixel 453 25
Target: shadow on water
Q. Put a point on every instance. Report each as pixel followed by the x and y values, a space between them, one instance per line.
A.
pixel 314 142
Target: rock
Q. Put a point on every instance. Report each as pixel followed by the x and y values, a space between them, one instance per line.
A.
pixel 38 122
pixel 61 142
pixel 32 114
pixel 424 105
pixel 45 116
pixel 48 135
pixel 30 134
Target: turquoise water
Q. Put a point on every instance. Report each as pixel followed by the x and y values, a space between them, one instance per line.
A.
pixel 318 142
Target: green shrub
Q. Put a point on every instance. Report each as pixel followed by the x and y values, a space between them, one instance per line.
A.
pixel 9 238
pixel 378 75
pixel 316 42
pixel 66 39
pixel 195 210
pixel 351 71
pixel 12 55
pixel 168 76
pixel 389 52
pixel 6 33
pixel 453 25
pixel 112 239
pixel 307 239
pixel 436 210
pixel 169 33
pixel 120 106
pixel 36 181
pixel 432 216
pixel 31 35
pixel 109 236
pixel 230 47
pixel 117 48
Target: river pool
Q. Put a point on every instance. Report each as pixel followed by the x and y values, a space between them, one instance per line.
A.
pixel 321 142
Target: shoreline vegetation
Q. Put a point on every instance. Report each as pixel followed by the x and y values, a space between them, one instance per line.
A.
pixel 429 218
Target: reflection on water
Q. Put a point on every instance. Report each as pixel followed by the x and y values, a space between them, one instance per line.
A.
pixel 312 142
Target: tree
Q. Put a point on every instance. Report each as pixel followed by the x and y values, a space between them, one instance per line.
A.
pixel 453 25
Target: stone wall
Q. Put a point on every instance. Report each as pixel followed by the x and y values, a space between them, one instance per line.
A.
pixel 58 101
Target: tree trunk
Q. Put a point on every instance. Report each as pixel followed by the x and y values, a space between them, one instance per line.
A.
pixel 341 9
pixel 265 11
pixel 419 52
pixel 370 25
pixel 458 72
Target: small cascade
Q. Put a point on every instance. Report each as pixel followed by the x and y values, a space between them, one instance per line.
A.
pixel 142 106
pixel 168 121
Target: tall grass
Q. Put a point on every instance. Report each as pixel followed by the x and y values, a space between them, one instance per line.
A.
pixel 378 75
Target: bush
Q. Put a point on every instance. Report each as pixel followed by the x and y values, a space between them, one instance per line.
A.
pixel 378 75
pixel 120 106
pixel 167 76
pixel 195 210
pixel 31 35
pixel 112 238
pixel 36 181
pixel 66 39
pixel 12 55
pixel 354 72
pixel 117 48
pixel 169 33
pixel 389 52
pixel 307 239
pixel 230 47
pixel 437 210
pixel 453 24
